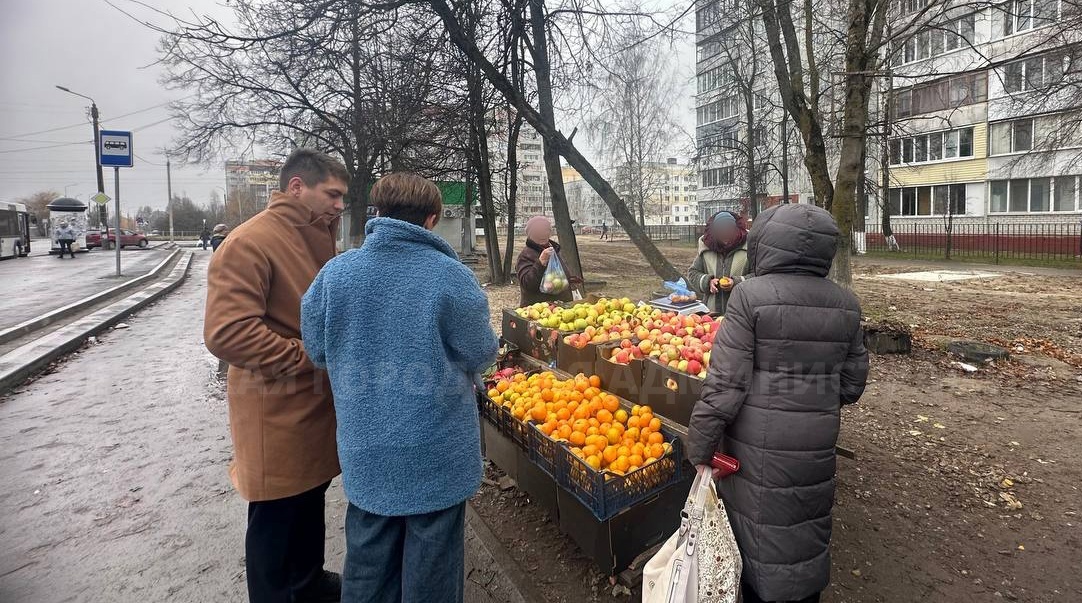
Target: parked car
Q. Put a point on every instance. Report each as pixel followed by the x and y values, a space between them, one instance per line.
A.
pixel 127 239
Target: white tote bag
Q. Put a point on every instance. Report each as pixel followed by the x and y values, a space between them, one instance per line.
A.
pixel 700 563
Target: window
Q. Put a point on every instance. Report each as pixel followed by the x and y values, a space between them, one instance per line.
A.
pixel 716 111
pixel 713 79
pixel 759 136
pixel 719 176
pixel 1038 72
pixel 937 39
pixel 932 147
pixel 1021 15
pixel 1034 195
pixel 928 200
pixel 1011 136
pixel 946 93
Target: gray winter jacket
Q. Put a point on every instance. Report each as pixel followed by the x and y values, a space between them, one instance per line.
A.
pixel 788 355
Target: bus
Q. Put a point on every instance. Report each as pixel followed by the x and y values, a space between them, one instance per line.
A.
pixel 14 230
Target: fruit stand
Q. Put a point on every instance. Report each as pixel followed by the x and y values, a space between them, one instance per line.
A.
pixel 589 417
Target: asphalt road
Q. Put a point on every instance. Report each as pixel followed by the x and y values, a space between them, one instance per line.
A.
pixel 34 285
pixel 114 473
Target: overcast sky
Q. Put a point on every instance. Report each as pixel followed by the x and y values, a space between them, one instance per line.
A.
pixel 93 49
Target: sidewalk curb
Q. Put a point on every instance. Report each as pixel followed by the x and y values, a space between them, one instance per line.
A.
pixel 24 361
pixel 48 318
pixel 507 564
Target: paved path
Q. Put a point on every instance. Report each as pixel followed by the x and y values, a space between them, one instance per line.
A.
pixel 114 475
pixel 39 283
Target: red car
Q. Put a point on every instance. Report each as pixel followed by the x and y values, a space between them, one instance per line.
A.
pixel 127 239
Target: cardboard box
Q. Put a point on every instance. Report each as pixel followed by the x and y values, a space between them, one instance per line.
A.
pixel 516 331
pixel 669 393
pixel 573 360
pixel 623 380
pixel 614 543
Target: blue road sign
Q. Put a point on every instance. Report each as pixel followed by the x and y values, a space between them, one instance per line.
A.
pixel 116 150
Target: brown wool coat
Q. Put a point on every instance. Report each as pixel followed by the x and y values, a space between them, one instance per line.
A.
pixel 281 412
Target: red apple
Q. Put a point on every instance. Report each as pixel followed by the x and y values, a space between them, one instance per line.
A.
pixel 695 367
pixel 623 357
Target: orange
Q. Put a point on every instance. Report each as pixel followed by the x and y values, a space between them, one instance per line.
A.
pixel 633 421
pixel 645 418
pixel 612 403
pixel 577 452
pixel 623 451
pixel 582 412
pixel 656 438
pixel 636 410
pixel 564 431
pixel 635 460
pixel 548 428
pixel 580 425
pixel 493 393
pixel 563 414
pixel 503 386
pixel 595 381
pixel 572 406
pixel 656 451
pixel 593 461
pixel 646 408
pixel 538 413
pixel 613 435
pixel 621 464
pixel 639 449
pixel 589 449
pixel 577 438
pixel 593 421
pixel 620 415
pixel 609 454
pixel 655 424
pixel 604 415
pixel 591 430
pixel 632 433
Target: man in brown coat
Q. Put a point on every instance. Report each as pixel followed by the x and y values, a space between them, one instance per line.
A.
pixel 281 411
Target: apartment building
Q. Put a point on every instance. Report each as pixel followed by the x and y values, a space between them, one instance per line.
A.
pixel 986 115
pixel 733 64
pixel 533 194
pixel 251 180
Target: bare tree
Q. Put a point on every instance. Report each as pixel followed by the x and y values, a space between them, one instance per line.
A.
pixel 632 117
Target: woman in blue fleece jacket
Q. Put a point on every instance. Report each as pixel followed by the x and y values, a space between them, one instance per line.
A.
pixel 401 327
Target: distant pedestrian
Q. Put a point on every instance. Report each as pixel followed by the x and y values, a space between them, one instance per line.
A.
pixel 218 236
pixel 65 236
pixel 605 231
pixel 410 459
pixel 789 354
pixel 281 412
pixel 204 238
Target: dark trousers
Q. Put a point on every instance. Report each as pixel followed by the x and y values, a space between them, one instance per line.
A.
pixel 410 559
pixel 750 596
pixel 65 246
pixel 284 545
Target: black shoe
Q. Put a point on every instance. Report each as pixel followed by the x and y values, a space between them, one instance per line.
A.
pixel 325 589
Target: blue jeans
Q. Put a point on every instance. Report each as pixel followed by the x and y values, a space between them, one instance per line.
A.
pixel 410 559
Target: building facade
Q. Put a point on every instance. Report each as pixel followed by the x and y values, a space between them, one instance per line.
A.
pixel 532 195
pixel 742 135
pixel 253 179
pixel 668 193
pixel 985 116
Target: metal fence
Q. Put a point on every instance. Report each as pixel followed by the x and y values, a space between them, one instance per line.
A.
pixel 994 243
pixel 673 234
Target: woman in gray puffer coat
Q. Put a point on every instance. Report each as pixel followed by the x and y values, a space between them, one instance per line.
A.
pixel 789 354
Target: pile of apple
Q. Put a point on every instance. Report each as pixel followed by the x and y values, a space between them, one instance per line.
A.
pixel 604 314
pixel 681 343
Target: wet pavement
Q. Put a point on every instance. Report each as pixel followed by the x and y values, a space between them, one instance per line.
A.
pixel 115 474
pixel 34 285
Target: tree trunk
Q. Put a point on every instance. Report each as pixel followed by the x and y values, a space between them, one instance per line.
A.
pixel 512 194
pixel 479 148
pixel 661 266
pixel 565 230
pixel 749 157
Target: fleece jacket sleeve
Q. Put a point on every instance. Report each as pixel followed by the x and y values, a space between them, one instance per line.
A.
pixel 467 331
pixel 314 321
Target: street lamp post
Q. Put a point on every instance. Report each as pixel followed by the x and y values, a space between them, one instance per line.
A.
pixel 102 211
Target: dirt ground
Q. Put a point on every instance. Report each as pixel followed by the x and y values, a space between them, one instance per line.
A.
pixel 965 486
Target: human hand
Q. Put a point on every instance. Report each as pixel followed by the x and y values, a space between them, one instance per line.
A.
pixel 726 284
pixel 545 255
pixel 713 285
pixel 715 473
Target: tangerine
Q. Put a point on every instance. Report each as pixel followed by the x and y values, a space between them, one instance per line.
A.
pixel 604 415
pixel 633 421
pixel 655 424
pixel 620 415
pixel 564 431
pixel 594 461
pixel 635 460
pixel 612 435
pixel 595 381
pixel 577 438
pixel 609 454
pixel 563 414
pixel 655 438
pixel 539 413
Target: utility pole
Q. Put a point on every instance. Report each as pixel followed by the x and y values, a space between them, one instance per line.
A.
pixel 103 211
pixel 169 191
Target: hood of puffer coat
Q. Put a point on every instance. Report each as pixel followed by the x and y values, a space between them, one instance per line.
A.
pixel 794 239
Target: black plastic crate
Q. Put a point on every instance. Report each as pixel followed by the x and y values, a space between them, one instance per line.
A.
pixel 606 493
pixel 545 452
pixel 517 430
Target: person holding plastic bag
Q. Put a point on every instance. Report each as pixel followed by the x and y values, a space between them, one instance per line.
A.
pixel 722 262
pixel 542 273
pixel 788 355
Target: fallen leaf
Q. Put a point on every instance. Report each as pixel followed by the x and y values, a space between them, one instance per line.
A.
pixel 1021 548
pixel 914 432
pixel 939 426
pixel 922 419
pixel 1006 483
